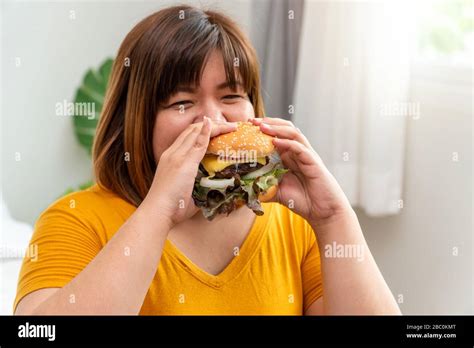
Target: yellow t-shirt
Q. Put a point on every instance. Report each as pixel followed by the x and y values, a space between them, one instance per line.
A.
pixel 276 271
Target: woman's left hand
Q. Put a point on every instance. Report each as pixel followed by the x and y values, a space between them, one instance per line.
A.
pixel 308 189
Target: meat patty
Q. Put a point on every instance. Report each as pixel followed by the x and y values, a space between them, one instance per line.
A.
pixel 239 168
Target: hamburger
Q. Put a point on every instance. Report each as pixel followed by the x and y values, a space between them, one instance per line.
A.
pixel 239 168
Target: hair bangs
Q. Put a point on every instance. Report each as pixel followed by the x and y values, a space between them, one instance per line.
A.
pixel 236 62
pixel 191 47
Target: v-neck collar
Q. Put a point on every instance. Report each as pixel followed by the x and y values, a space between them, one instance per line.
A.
pixel 247 251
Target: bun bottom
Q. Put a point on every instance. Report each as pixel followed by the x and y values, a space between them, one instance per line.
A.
pixel 267 196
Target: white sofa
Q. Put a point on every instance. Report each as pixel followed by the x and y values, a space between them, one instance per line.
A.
pixel 14 239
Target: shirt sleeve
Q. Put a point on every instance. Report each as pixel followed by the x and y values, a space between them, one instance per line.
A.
pixel 311 270
pixel 62 245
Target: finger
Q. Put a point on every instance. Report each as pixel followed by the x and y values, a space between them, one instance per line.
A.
pixel 178 142
pixel 301 152
pixel 198 138
pixel 218 128
pixel 222 127
pixel 289 161
pixel 202 139
pixel 272 120
pixel 285 132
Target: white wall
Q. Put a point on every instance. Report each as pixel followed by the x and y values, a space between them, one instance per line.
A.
pixel 415 248
pixel 55 52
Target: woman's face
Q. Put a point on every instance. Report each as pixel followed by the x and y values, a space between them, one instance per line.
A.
pixel 212 98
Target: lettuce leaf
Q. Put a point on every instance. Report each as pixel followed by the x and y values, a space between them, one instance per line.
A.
pixel 224 201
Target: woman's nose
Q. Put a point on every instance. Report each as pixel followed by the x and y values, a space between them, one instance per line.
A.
pixel 214 112
pixel 216 117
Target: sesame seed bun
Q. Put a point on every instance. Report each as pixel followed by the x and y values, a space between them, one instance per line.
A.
pixel 267 196
pixel 246 138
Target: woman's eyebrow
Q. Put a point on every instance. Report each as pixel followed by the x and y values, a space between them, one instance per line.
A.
pixel 221 86
pixel 187 89
pixel 227 84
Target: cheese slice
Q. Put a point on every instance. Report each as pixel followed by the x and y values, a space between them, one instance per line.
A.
pixel 214 164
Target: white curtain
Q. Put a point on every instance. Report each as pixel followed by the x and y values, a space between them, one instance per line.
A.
pixel 353 66
pixel 275 31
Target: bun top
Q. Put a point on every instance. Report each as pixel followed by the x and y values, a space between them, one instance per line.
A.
pixel 246 140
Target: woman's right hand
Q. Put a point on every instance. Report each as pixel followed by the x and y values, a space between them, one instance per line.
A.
pixel 171 190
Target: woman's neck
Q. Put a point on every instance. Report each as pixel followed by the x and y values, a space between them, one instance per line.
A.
pixel 241 217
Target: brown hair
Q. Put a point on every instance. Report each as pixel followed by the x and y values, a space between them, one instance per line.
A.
pixel 165 50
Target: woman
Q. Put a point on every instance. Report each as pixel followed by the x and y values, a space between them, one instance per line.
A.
pixel 135 243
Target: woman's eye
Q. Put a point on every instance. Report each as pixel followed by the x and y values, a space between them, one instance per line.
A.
pixel 181 104
pixel 232 96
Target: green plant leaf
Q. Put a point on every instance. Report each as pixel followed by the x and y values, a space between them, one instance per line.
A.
pixel 88 103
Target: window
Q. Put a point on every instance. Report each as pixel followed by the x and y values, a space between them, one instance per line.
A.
pixel 445 31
